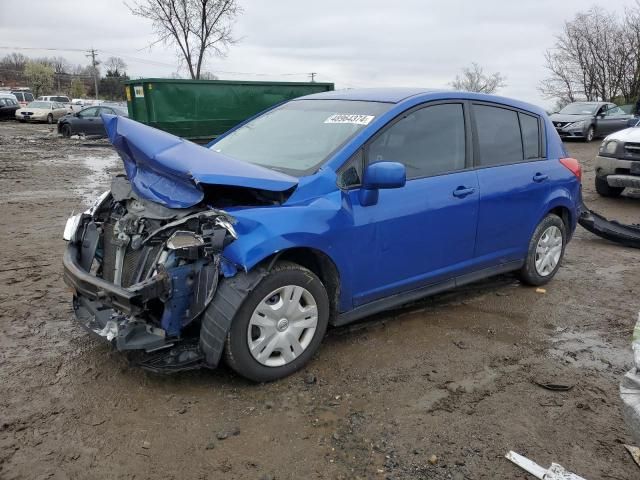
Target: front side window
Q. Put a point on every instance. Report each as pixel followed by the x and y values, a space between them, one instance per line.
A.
pixel 89 112
pixel 299 136
pixel 498 131
pixel 429 141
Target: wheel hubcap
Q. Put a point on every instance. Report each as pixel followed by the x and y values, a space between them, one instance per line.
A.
pixel 548 251
pixel 282 326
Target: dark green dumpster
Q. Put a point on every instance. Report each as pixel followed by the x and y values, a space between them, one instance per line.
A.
pixel 203 109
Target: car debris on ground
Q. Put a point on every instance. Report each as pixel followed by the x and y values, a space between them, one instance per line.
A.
pixel 554 472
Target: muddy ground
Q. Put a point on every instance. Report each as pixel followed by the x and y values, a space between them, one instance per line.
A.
pixel 451 377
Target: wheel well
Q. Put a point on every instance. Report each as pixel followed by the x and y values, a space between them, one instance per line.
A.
pixel 320 264
pixel 565 215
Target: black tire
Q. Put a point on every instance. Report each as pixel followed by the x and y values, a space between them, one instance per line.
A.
pixel 66 131
pixel 237 353
pixel 49 119
pixel 590 134
pixel 528 273
pixel 604 190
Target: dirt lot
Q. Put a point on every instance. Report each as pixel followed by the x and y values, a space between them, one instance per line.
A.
pixel 452 376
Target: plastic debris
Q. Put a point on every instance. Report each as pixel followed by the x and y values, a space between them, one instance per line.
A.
pixel 634 452
pixel 541 290
pixel 554 472
pixel 555 387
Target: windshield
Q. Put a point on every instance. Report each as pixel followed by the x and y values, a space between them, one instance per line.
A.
pixel 299 136
pixel 580 109
pixel 39 105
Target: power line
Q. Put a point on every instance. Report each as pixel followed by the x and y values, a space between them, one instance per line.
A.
pixel 147 61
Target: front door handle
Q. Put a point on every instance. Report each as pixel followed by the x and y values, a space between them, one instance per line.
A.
pixel 540 177
pixel 462 192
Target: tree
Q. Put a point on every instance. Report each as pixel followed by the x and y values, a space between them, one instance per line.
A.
pixel 474 79
pixel 78 89
pixel 12 67
pixel 115 66
pixel 39 77
pixel 596 57
pixel 196 28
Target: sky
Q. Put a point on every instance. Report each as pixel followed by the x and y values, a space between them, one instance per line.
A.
pixel 352 43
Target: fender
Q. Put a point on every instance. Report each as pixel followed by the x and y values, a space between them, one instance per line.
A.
pixel 321 224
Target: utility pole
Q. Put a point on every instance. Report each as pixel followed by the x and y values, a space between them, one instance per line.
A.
pixel 313 76
pixel 94 63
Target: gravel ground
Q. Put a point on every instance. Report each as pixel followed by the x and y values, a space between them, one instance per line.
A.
pixel 441 389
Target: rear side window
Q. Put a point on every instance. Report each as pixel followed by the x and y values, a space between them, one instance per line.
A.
pixel 429 141
pixel 499 140
pixel 530 136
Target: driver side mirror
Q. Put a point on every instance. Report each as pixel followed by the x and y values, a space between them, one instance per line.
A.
pixel 381 175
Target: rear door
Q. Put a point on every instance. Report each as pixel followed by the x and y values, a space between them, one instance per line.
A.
pixel 424 232
pixel 513 175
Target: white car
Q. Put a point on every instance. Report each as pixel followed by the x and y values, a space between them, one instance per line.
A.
pixel 617 165
pixel 39 111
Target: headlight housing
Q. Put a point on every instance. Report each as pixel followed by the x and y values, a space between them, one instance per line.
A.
pixel 609 147
pixel 182 239
pixel 578 124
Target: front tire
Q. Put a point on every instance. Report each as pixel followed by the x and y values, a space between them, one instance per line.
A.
pixel 546 249
pixel 280 324
pixel 604 190
pixel 66 131
pixel 588 137
pixel 49 119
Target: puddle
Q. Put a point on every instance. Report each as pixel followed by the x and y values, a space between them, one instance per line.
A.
pixel 98 179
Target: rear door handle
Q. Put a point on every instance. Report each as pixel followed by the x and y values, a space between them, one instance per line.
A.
pixel 540 177
pixel 462 192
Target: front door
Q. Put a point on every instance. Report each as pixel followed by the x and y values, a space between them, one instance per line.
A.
pixel 424 232
pixel 612 120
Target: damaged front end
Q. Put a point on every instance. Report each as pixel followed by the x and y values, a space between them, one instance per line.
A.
pixel 142 273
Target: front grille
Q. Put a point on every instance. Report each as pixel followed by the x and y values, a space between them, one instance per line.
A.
pixel 632 150
pixel 560 124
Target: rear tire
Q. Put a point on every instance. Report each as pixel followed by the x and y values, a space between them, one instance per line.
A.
pixel 246 328
pixel 604 190
pixel 547 242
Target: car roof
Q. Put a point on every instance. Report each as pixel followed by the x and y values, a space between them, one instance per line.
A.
pixel 412 95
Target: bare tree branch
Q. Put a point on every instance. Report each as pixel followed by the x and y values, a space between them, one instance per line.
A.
pixel 473 79
pixel 197 28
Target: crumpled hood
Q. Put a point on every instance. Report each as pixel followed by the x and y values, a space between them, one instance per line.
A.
pixel 559 117
pixel 168 170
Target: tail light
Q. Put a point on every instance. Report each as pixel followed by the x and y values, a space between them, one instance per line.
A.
pixel 573 165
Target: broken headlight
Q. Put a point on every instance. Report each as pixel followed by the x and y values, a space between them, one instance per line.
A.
pixel 184 239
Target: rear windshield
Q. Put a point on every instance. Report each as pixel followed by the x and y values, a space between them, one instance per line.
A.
pixel 580 109
pixel 298 137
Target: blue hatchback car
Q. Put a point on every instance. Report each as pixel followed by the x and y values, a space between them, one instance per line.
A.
pixel 320 211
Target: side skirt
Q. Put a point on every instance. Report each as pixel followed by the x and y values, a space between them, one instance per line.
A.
pixel 413 295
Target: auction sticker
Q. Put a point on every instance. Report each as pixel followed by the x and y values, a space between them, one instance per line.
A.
pixel 350 118
pixel 139 91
